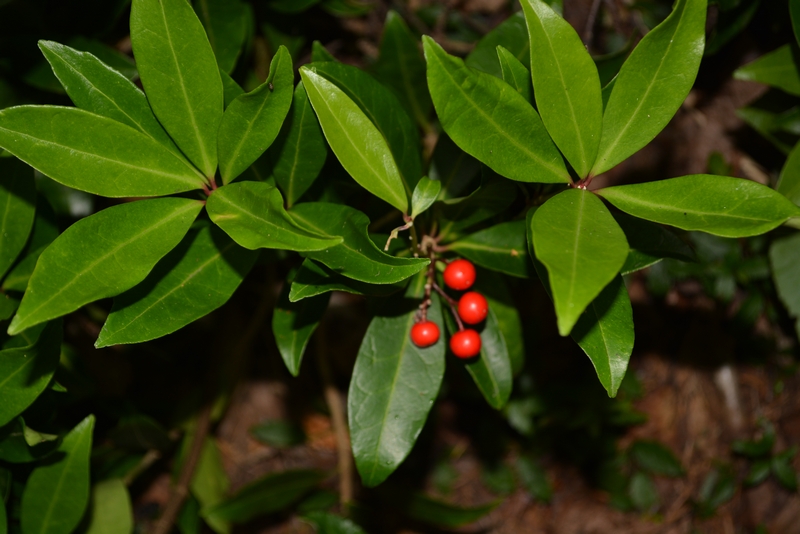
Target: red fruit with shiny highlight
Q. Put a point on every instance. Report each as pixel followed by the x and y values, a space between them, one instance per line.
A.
pixel 424 334
pixel 466 343
pixel 459 274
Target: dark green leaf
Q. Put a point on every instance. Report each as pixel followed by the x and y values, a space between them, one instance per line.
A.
pixel 779 68
pixel 194 279
pixel 502 247
pixel 782 469
pixel 20 444
pixel 650 243
pixel 767 123
pixel 103 255
pixel 425 194
pixel 44 232
pixel 789 183
pixel 315 279
pixel 718 488
pixel 180 76
pixel 491 371
pixel 458 171
pixel 493 197
pixel 794 12
pixel 655 458
pixel 225 24
pixel 758 473
pixel 8 305
pixel 17 209
pixel 490 120
pixel 278 433
pixel 320 54
pixel 291 6
pixel 444 514
pixel 210 483
pixel 231 89
pixel 730 24
pixel 140 433
pixel 652 84
pixel 642 492
pixel 784 257
pixel 515 73
pixel 326 523
pixel 57 493
pixel 719 205
pixel 494 288
pixel 3 518
pixel 534 479
pixel 293 324
pixel 511 35
pixel 111 511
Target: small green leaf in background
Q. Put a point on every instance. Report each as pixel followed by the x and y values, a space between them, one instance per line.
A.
pixel 494 288
pixel 443 514
pixel 110 510
pixel 649 243
pixel 326 523
pixel 291 6
pixel 789 182
pixel 299 151
pixel 279 433
pixel 783 470
pixel 315 279
pixel 719 205
pixel 784 258
pixel 180 76
pixel 534 479
pixel 56 494
pixel 655 458
pixel 225 23
pixel 512 35
pixel 642 492
pixel 252 121
pixel 489 119
pixel 44 232
pixel 21 444
pixel 502 247
pixel 210 483
pixel 515 73
pixel 567 85
pixel 294 323
pixel 458 172
pixel 320 54
pixel 718 488
pixel 492 198
pixel 103 255
pixel 759 472
pixel 252 214
pixel 17 209
pixel 425 194
pixel 778 68
pixel 139 432
pixel 582 247
pixel 8 305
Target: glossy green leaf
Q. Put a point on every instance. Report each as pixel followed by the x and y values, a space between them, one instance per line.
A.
pixel 210 483
pixel 512 35
pixel 252 214
pixel 515 73
pixel 458 171
pixel 356 141
pixel 17 209
pixel 719 205
pixel 299 152
pixel 567 85
pixel 292 325
pixel 252 121
pixel 493 197
pixel 111 511
pixel 320 54
pixel 231 89
pixel 443 514
pixel 425 194
pixel 393 388
pixel 655 458
pixel 95 87
pixel 779 68
pixel 44 232
pixel 491 371
pixel 789 182
pixel 649 243
pixel 25 371
pixel 57 493
pixel 653 83
pixel 784 257
pixel 401 67
pixel 194 279
pixel 502 247
pixel 356 257
pixel 180 76
pixel 490 120
pixel 492 286
pixel 103 255
pixel 315 279
pixel 265 496
pixel 582 247
pixel 224 21
pixel 326 523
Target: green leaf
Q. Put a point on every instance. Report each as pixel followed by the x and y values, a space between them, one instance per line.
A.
pixel 458 171
pixel 14 445
pixel 655 458
pixel 490 120
pixel 392 390
pixel 401 67
pixel 356 141
pixel 231 89
pixel 45 230
pixel 567 85
pixel 180 76
pixel 515 73
pixel 493 197
pixel 17 210
pixel 783 470
pixel 326 523
pixel 758 472
pixel 299 152
pixel 194 279
pixel 8 305
pixel 502 247
pixel 315 279
pixel 210 483
pixel 103 255
pixel 444 514
pixel 494 288
pixel 225 23
pixel 265 496
pixel 111 511
pixel 768 124
pixel 252 214
pixel 293 324
pixel 642 492
pixel 719 205
pixel 491 371
pixel 93 153
pixel 57 493
pixel 649 243
pixel 320 54
pixel 252 121
pixel 356 257
pixel 291 6
pixel 582 247
pixel 789 182
pixel 279 433
pixel 25 371
pixel 779 68
pixel 95 87
pixel 512 35
pixel 652 84
pixel 784 257
pixel 534 479
pixel 425 194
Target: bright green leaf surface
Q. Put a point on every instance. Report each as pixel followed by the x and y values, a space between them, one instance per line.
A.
pixel 515 73
pixel 57 493
pixel 356 141
pixel 502 247
pixel 180 76
pixel 17 209
pixel 779 68
pixel 491 371
pixel 224 21
pixel 315 279
pixel 356 257
pixel 103 255
pixel 493 197
pixel 252 121
pixel 784 257
pixel 650 243
pixel 425 194
pixel 252 214
pixel 44 232
pixel 27 370
pixel 93 153
pixel 111 511
pixel 293 324
pixel 653 83
pixel 582 247
pixel 299 152
pixel 194 279
pixel 719 205
pixel 392 390
pixel 512 35
pixel 789 183
pixel 492 286
pixel 567 85
pixel 326 523
pixel 490 120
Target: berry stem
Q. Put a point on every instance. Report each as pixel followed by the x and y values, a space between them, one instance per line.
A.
pixel 452 303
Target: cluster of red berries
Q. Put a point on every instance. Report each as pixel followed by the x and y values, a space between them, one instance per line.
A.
pixel 471 308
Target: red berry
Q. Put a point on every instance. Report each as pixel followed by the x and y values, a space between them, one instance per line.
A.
pixel 472 307
pixel 424 334
pixel 466 344
pixel 459 275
